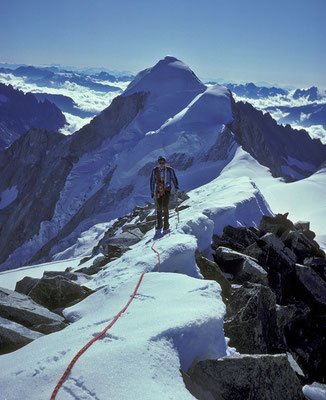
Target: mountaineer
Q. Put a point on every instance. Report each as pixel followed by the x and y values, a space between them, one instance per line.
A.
pixel 161 185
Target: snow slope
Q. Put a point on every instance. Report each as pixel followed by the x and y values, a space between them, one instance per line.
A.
pixel 175 318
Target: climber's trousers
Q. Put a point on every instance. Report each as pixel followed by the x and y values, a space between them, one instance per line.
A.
pixel 162 204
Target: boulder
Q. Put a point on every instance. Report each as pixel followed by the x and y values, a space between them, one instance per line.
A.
pixel 284 316
pixel 128 227
pixel 302 225
pixel 229 260
pixel 258 252
pixel 242 267
pixel 251 320
pixel 146 226
pixel 309 234
pixel 277 244
pixel 115 246
pixel 305 338
pixel 13 335
pixel 276 225
pixel 58 292
pixel 311 288
pixel 22 309
pixel 244 377
pixel 235 238
pixel 210 270
pixel 252 272
pixel 280 265
pixel 299 243
pixel 26 284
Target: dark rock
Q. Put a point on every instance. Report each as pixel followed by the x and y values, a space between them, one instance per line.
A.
pixel 229 261
pixel 318 264
pixel 151 217
pixel 256 231
pixel 277 244
pixel 128 227
pixel 240 236
pixel 13 335
pixel 97 265
pixel 284 316
pixel 210 270
pixel 243 377
pixel 309 234
pixel 117 245
pixel 252 272
pixel 299 243
pixel 144 227
pixel 311 288
pixel 277 225
pixel 251 320
pixel 257 252
pixel 22 309
pixel 280 265
pixel 302 225
pixel 241 267
pixel 26 284
pixel 58 292
pixel 305 338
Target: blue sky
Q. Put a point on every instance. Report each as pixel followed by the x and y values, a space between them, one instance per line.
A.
pixel 252 40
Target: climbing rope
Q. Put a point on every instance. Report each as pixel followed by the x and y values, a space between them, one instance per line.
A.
pixel 158 254
pixel 82 350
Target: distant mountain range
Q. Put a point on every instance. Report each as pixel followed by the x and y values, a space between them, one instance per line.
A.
pixel 19 112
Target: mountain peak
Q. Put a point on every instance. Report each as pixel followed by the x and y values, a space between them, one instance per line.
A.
pixel 168 75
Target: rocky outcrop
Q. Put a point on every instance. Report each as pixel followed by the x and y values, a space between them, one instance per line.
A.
pixel 58 292
pixel 243 377
pixel 240 267
pixel 26 284
pixel 251 320
pixel 286 311
pixel 19 112
pixel 122 234
pixel 13 335
pixel 210 270
pixel 313 286
pixel 23 310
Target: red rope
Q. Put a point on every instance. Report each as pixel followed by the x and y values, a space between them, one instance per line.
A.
pixel 158 254
pixel 81 351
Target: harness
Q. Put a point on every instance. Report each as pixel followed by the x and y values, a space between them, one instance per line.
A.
pixel 161 183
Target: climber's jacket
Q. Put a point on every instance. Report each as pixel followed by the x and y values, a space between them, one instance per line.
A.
pixel 161 180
